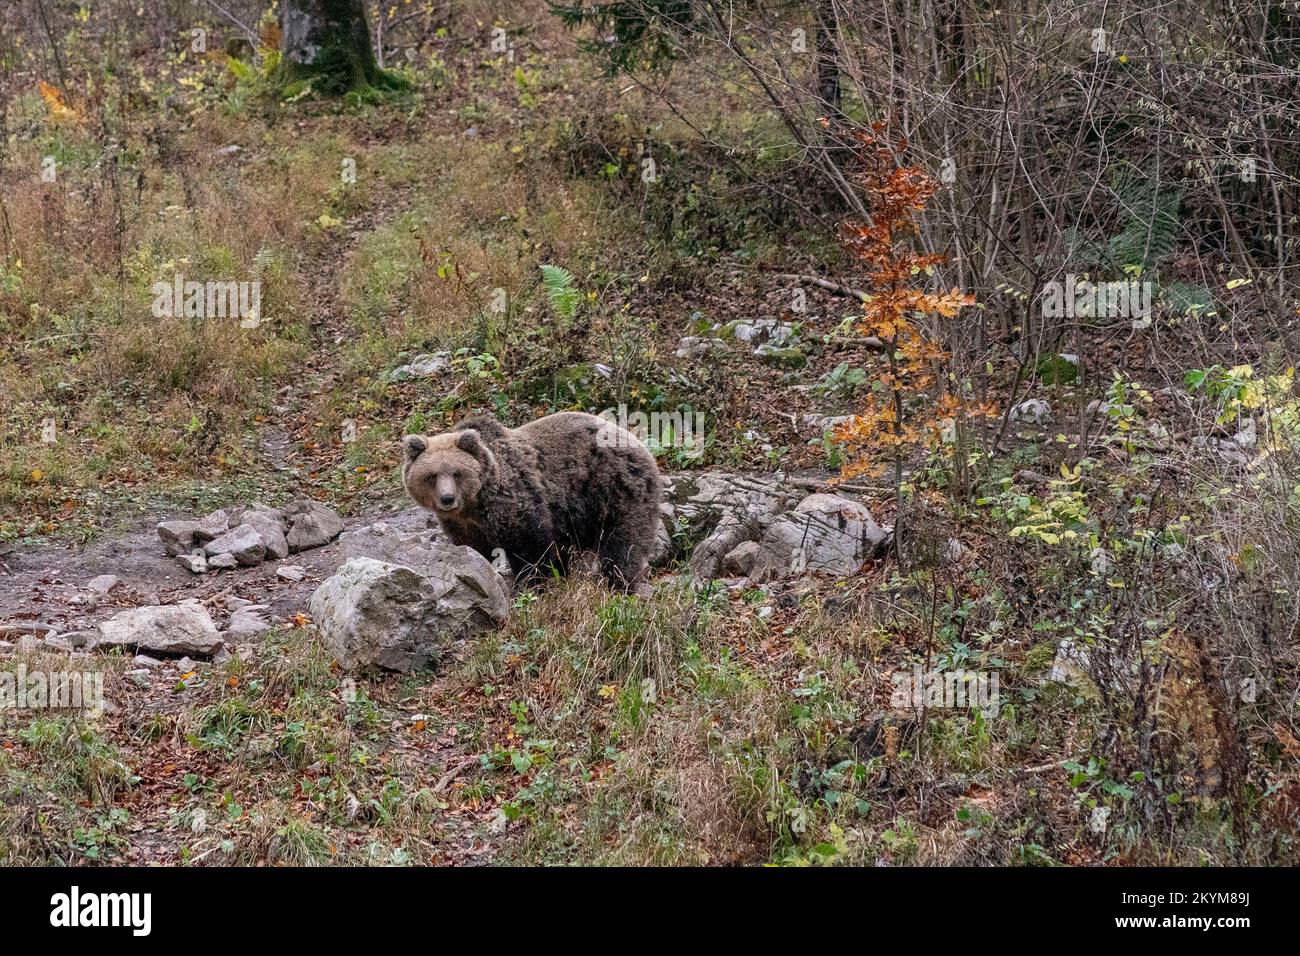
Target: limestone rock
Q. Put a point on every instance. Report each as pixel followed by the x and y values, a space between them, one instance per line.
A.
pixel 271 529
pixel 311 524
pixel 177 536
pixel 168 629
pixel 248 624
pixel 739 561
pixel 243 542
pixel 825 534
pixel 376 612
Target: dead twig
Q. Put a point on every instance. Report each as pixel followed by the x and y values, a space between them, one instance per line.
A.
pixel 445 780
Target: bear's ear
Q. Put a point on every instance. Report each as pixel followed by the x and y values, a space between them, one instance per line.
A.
pixel 471 442
pixel 414 446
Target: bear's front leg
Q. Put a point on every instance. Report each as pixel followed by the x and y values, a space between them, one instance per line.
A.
pixel 625 561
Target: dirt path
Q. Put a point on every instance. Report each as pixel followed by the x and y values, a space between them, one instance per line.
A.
pixel 47 583
pixel 281 435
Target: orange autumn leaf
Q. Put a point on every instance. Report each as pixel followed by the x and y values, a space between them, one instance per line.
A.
pixel 60 111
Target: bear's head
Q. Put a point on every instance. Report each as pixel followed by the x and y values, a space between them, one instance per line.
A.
pixel 447 473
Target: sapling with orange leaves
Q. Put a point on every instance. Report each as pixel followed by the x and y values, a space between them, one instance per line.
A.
pixel 891 425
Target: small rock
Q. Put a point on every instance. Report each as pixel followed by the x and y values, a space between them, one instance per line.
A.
pixel 79 639
pixel 266 511
pixel 1026 476
pixel 1245 439
pixel 235 603
pixel 144 660
pixel 782 356
pixel 138 677
pixel 823 423
pixel 695 347
pixel 223 562
pixel 248 624
pixel 222 656
pixel 193 562
pixel 103 584
pixel 373 612
pixel 290 572
pixel 740 560
pixel 243 542
pixel 759 332
pixel 214 525
pixel 825 534
pixel 311 524
pixel 1033 411
pixel 271 530
pixel 178 537
pixel 57 643
pixel 422 366
pixel 1071 664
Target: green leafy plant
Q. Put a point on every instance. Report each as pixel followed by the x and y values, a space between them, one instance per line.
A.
pixel 841 381
pixel 561 291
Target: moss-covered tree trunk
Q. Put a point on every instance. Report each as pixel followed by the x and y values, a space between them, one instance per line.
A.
pixel 328 43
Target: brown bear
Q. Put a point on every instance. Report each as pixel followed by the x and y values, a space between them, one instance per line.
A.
pixel 545 493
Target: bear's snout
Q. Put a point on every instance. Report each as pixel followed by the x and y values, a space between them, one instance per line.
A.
pixel 445 496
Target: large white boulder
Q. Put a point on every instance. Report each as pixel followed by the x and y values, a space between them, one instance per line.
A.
pixel 400 618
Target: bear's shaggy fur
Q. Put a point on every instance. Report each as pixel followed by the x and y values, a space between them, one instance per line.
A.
pixel 544 493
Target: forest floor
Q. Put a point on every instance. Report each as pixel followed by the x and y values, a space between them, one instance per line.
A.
pixel 712 726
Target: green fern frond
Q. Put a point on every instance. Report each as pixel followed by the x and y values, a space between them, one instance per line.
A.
pixel 561 291
pixel 1187 299
pixel 1149 218
pixel 1152 217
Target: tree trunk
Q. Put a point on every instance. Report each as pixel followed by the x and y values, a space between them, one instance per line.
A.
pixel 826 67
pixel 328 43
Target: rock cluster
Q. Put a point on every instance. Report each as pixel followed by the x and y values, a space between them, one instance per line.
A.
pixel 762 529
pixel 245 536
pixel 771 340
